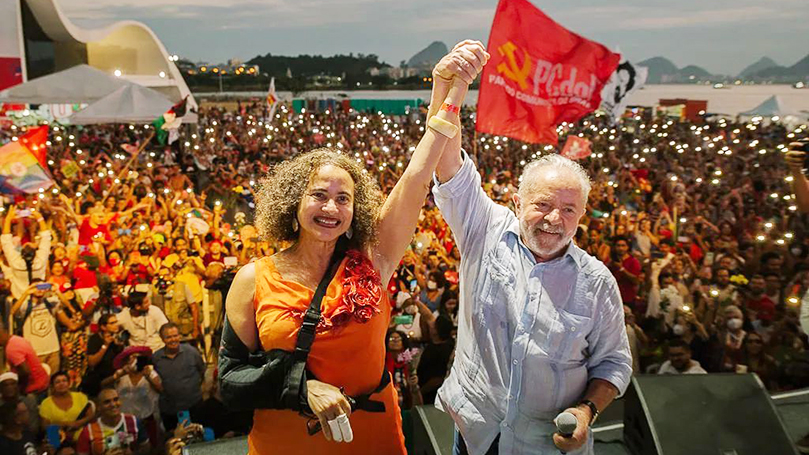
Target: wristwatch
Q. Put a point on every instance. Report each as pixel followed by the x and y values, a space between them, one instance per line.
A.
pixel 593 410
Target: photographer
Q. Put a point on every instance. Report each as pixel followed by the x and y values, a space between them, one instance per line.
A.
pixel 102 348
pixel 142 321
pixel 34 315
pixel 182 304
pixel 31 261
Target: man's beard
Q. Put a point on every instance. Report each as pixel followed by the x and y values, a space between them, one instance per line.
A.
pixel 539 241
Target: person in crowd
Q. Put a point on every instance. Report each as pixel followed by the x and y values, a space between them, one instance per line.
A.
pixel 23 361
pixel 504 343
pixel 35 312
pixel 73 339
pixel 181 371
pixel 627 271
pixel 102 348
pixel 113 430
pixel 139 387
pixel 67 409
pixel 313 201
pixel 31 261
pixel 680 361
pixel 10 391
pixel 637 338
pixel 733 335
pixel 15 439
pixel 754 359
pixel 399 362
pixel 183 308
pixel 142 321
pixel 434 362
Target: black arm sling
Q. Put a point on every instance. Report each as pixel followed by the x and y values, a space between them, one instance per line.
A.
pixel 276 379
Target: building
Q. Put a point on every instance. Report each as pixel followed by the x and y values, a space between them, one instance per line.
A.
pixel 36 39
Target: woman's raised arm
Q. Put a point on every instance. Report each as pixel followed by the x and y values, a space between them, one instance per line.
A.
pixel 401 209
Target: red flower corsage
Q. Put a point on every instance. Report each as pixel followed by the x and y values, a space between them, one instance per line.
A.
pixel 362 289
pixel 362 293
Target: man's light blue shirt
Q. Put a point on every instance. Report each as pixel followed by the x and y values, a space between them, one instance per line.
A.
pixel 530 335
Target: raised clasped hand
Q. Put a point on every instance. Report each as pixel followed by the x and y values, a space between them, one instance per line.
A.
pixel 465 60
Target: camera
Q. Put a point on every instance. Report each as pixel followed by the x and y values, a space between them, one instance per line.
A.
pixel 162 285
pixel 142 362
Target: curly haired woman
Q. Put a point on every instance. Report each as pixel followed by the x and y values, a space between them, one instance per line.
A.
pixel 316 200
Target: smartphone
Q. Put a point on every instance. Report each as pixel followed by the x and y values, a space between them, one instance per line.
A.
pixel 709 257
pixel 44 286
pixel 24 213
pixel 183 416
pixel 231 261
pixel 112 442
pixel 405 319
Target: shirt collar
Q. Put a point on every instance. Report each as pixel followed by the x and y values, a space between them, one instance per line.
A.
pixel 573 251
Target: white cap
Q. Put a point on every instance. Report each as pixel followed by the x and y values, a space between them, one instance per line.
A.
pixel 9 376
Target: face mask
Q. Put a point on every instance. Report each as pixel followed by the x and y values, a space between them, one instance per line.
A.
pixel 734 323
pixel 678 329
pixel 431 285
pixel 411 309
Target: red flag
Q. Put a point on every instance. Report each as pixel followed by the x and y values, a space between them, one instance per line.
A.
pixel 539 76
pixel 576 148
pixel 35 141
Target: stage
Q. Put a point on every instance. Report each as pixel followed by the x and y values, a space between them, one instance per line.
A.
pixel 793 408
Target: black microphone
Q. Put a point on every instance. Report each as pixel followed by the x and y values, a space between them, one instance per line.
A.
pixel 566 424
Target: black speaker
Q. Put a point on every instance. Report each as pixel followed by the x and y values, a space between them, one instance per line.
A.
pixel 695 414
pixel 433 431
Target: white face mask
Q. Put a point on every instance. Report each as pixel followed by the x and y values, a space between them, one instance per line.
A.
pixel 431 285
pixel 678 329
pixel 734 323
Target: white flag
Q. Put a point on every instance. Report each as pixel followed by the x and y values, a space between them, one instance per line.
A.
pixel 272 100
pixel 626 79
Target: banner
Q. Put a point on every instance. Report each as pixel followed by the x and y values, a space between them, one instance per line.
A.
pixel 577 148
pixel 626 80
pixel 539 76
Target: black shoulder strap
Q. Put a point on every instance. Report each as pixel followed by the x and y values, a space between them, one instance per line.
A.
pixel 306 336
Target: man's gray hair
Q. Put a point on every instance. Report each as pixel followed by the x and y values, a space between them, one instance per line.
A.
pixel 557 162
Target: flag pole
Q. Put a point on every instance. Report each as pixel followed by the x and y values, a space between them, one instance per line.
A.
pixel 129 163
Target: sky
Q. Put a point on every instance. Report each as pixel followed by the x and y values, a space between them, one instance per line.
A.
pixel 722 36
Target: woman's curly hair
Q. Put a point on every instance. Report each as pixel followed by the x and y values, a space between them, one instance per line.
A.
pixel 280 192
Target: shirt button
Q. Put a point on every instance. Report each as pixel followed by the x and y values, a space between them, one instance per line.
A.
pixel 511 397
pixel 516 362
pixel 572 329
pixel 504 425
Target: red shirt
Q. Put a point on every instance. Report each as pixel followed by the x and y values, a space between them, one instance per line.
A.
pixel 763 306
pixel 629 290
pixel 87 232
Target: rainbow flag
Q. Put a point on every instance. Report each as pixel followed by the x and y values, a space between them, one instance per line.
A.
pixel 22 163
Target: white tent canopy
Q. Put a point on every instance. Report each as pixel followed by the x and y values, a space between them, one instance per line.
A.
pixel 79 84
pixel 772 106
pixel 129 104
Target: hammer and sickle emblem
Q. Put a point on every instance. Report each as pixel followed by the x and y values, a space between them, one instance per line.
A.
pixel 512 70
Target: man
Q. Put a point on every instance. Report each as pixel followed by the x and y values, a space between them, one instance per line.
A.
pixel 627 270
pixel 35 310
pixel 186 295
pixel 31 376
pixel 102 347
pixel 112 431
pixel 680 361
pixel 142 321
pixel 727 293
pixel 758 301
pixel 182 370
pixel 31 261
pixel 541 322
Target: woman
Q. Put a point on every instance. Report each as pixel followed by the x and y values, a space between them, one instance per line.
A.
pixel 139 387
pixel 433 295
pixel 73 340
pixel 315 200
pixel 753 359
pixel 399 358
pixel 70 410
pixel 15 439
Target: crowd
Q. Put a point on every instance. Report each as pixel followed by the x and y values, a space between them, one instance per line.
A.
pixel 113 280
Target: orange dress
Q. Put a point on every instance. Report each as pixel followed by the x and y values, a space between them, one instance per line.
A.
pixel 350 356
